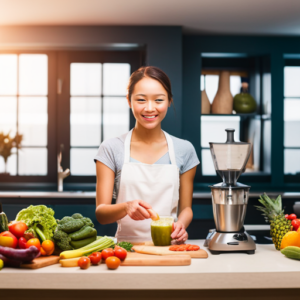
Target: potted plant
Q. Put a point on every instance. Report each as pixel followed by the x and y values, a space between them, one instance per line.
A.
pixel 6 145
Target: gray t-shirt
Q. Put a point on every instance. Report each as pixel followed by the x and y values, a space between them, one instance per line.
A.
pixel 111 153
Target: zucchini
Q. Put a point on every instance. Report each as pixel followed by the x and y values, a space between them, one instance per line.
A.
pixel 3 220
pixel 291 252
pixel 83 233
pixel 82 243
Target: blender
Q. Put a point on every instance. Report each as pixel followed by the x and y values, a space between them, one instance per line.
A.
pixel 230 198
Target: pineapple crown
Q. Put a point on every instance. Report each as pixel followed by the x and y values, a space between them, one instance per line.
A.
pixel 271 207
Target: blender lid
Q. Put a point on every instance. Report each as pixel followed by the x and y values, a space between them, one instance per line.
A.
pixel 225 186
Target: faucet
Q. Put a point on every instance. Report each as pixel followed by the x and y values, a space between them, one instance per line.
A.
pixel 61 174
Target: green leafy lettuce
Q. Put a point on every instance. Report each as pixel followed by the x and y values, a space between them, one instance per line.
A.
pixel 40 220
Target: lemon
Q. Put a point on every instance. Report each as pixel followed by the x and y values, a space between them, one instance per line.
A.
pixel 1 264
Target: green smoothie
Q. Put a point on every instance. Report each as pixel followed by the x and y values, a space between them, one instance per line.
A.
pixel 161 231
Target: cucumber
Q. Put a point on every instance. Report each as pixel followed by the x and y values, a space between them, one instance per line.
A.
pixel 291 252
pixel 83 233
pixel 3 220
pixel 82 243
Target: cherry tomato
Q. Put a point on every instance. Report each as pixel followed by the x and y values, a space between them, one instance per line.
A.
pixel 48 246
pixel 292 217
pixel 33 242
pixel 107 253
pixel 95 258
pixel 84 262
pixel 120 253
pixel 113 262
pixel 296 224
pixel 9 234
pixel 17 228
pixel 287 216
pixel 22 243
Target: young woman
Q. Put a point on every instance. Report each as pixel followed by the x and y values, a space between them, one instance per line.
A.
pixel 146 168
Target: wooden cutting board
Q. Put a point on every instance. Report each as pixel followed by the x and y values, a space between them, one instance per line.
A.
pixel 138 259
pixel 41 262
pixel 155 250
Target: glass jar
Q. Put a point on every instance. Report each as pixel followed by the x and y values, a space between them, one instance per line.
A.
pixel 161 231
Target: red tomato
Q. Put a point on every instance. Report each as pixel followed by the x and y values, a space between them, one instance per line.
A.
pixel 287 216
pixel 296 224
pixel 292 217
pixel 22 243
pixel 113 262
pixel 107 253
pixel 17 228
pixel 33 242
pixel 84 262
pixel 95 258
pixel 120 253
pixel 9 234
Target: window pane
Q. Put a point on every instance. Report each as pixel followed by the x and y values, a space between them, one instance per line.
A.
pixel 207 163
pixel 33 161
pixel 85 121
pixel 33 74
pixel 235 85
pixel 8 74
pixel 291 81
pixel 85 79
pixel 115 117
pixel 291 122
pixel 291 161
pixel 82 162
pixel 8 115
pixel 292 109
pixel 211 86
pixel 291 134
pixel 11 166
pixel 33 120
pixel 213 129
pixel 115 79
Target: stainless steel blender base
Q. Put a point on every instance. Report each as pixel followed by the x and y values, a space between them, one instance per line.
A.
pixel 231 242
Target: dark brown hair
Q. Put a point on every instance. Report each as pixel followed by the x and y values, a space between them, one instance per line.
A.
pixel 152 72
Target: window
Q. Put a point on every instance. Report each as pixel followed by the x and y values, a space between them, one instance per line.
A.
pixel 291 120
pixel 99 110
pixel 23 110
pixel 66 100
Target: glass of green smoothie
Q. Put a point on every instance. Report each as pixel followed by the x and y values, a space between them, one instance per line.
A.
pixel 161 231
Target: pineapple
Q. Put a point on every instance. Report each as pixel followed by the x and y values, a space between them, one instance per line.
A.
pixel 273 213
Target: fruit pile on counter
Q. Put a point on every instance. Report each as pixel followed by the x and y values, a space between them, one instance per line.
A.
pixel 285 228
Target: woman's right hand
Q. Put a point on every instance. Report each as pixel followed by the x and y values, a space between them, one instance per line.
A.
pixel 137 210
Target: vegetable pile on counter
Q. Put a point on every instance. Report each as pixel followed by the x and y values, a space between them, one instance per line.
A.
pixel 74 232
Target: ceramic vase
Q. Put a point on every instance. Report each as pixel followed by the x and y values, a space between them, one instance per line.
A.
pixel 223 101
pixel 205 104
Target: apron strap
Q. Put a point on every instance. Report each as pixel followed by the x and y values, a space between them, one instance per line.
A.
pixel 169 142
pixel 127 147
pixel 171 149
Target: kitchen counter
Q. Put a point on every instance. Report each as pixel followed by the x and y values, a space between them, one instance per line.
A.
pixel 266 269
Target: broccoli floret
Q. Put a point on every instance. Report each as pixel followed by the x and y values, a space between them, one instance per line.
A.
pixel 77 216
pixel 65 220
pixel 88 222
pixel 71 225
pixel 62 240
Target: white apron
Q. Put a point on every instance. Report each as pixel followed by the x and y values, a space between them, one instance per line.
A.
pixel 156 184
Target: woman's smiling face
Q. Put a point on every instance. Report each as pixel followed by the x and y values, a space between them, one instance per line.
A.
pixel 149 102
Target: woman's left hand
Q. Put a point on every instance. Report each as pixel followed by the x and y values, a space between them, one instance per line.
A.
pixel 179 233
